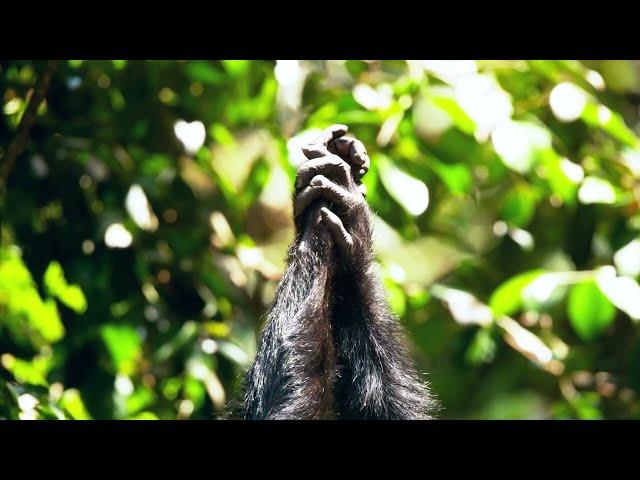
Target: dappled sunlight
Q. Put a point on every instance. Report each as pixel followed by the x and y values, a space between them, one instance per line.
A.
pixel 627 259
pixel 485 102
pixel 623 291
pixel 145 230
pixel 518 143
pixel 410 192
pixel 139 208
pixel 465 308
pixel 596 190
pixel 567 101
pixel 191 134
pixel 117 236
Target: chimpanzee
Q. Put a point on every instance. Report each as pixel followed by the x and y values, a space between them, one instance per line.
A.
pixel 331 348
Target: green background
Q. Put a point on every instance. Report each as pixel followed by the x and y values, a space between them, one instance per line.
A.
pixel 145 225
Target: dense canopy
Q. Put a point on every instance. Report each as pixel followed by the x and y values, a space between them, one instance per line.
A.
pixel 146 212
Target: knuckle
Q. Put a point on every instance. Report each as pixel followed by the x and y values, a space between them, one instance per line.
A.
pixel 301 172
pixel 334 160
pixel 318 181
pixel 308 149
pixel 344 167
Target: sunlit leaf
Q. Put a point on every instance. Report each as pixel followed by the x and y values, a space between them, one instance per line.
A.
pixel 611 122
pixel 143 416
pixel 396 298
pixel 596 190
pixel 520 144
pixel 590 312
pixel 465 308
pixel 124 345
pixel 457 115
pixel 518 176
pixel 623 292
pixel 22 299
pixel 507 298
pixel 456 177
pixel 71 295
pixel 236 68
pixel 203 71
pixel 33 372
pixel 519 206
pixel 72 402
pixel 408 191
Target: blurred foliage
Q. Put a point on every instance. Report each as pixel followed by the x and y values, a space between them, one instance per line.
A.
pixel 145 225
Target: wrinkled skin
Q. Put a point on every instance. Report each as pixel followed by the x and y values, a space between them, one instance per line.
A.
pixel 332 178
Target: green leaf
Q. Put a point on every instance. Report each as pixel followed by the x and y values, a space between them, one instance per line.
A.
pixel 71 401
pixel 519 206
pixel 590 311
pixel 141 398
pixel 203 71
pixel 396 298
pixel 557 178
pixel 48 411
pixel 418 298
pixel 611 122
pixel 221 134
pixel 124 345
pixel 458 116
pixel 54 277
pixel 236 68
pixel 507 298
pixel 70 295
pixel 456 176
pixel 355 67
pixel 195 390
pixel 482 348
pixel 22 299
pixel 357 117
pixel 33 372
pixel 44 318
pixel 73 298
pixel 143 416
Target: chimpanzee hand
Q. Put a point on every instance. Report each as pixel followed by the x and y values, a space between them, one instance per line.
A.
pixel 331 347
pixel 333 177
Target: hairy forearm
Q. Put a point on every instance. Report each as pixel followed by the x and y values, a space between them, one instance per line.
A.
pixel 371 351
pixel 331 344
pixel 293 371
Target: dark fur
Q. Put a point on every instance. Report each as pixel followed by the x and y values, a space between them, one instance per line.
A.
pixel 330 347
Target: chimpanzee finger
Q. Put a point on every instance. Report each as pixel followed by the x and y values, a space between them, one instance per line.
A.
pixel 341 146
pixel 354 153
pixel 362 188
pixel 315 150
pixel 351 149
pixel 340 235
pixel 330 166
pixel 334 131
pixel 321 186
pixel 359 154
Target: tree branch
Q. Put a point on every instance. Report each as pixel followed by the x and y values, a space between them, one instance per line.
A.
pixel 27 121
